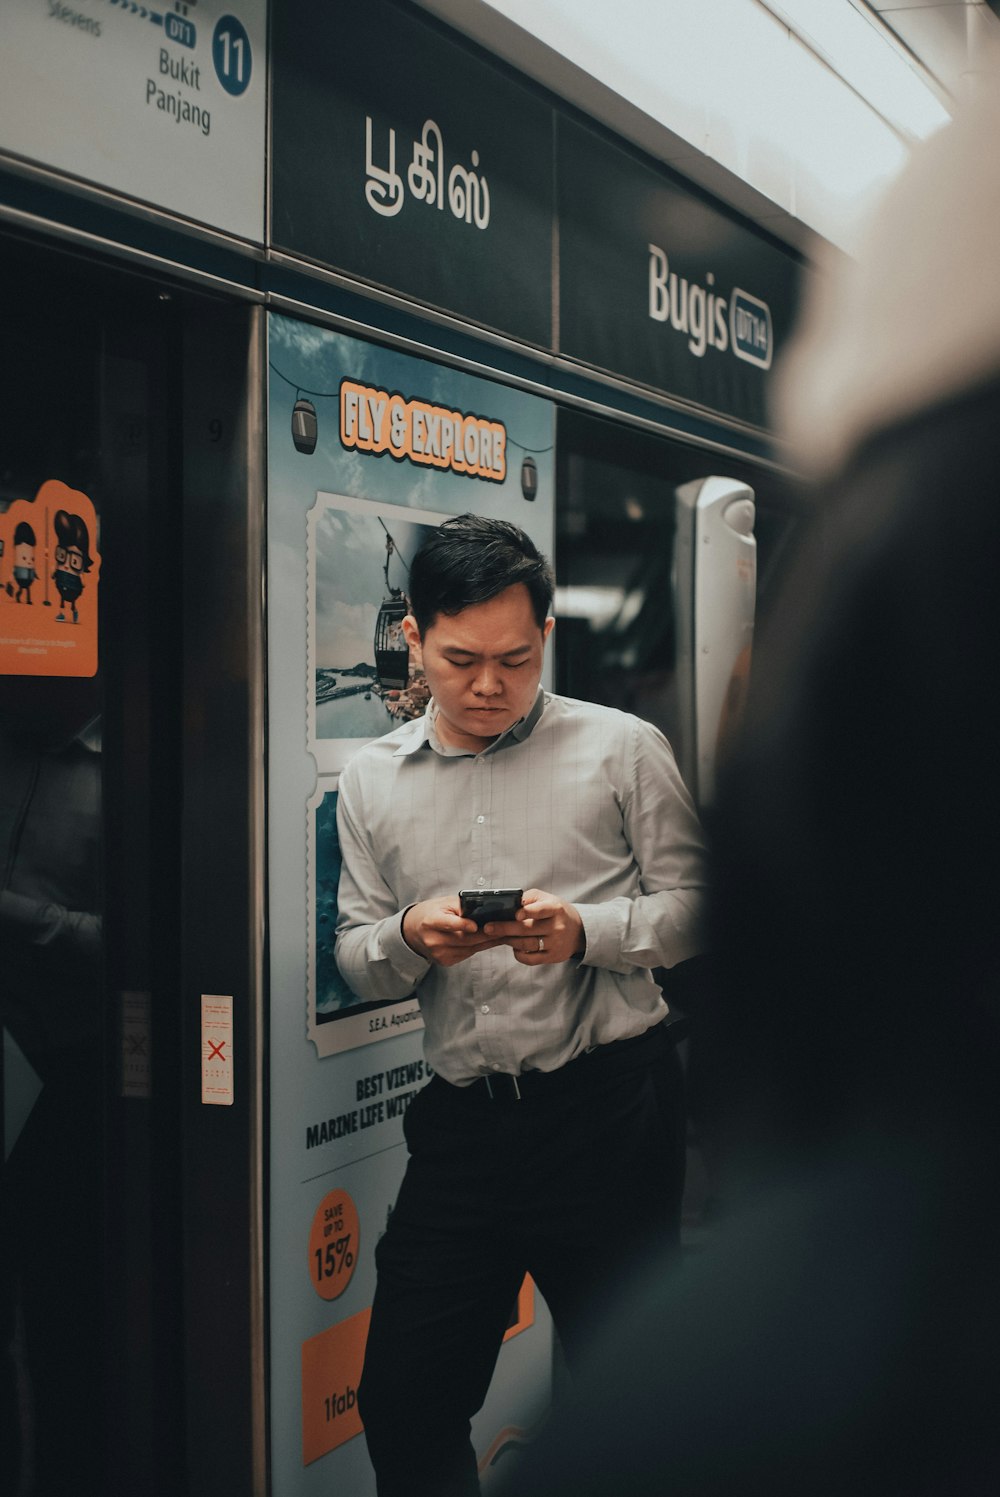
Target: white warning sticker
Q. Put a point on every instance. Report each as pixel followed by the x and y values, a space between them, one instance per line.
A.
pixel 217 1049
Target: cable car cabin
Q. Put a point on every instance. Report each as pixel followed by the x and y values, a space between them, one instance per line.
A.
pixel 392 653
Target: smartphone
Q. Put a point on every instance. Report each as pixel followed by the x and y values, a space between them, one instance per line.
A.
pixel 483 905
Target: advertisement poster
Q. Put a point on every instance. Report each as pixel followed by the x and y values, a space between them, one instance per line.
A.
pixel 367 449
pixel 49 574
pixel 164 103
pixel 362 686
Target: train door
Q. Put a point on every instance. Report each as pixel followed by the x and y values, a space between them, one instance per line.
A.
pixel 714 599
pixel 632 511
pixel 124 725
pixel 658 581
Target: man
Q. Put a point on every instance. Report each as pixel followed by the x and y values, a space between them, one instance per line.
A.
pixel 550 1140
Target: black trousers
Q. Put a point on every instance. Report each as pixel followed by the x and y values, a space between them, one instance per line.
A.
pixel 574 1183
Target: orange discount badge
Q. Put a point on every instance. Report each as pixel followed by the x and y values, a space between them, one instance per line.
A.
pixel 49 572
pixel 333 1244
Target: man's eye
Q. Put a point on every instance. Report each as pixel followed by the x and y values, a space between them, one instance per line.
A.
pixel 513 665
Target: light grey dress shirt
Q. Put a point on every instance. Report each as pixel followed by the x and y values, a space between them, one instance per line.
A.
pixel 579 800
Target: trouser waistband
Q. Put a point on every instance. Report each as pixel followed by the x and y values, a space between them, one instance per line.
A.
pixel 501 1087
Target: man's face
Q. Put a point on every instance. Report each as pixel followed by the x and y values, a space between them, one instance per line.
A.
pixel 483 666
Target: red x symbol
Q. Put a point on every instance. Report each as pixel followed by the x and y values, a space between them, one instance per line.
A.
pixel 215 1050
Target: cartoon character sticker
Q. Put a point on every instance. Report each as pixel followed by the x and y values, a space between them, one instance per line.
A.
pixel 24 561
pixel 72 558
pixel 49 575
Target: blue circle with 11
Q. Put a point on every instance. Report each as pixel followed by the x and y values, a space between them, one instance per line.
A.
pixel 231 54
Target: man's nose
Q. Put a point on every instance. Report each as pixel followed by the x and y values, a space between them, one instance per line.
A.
pixel 487 682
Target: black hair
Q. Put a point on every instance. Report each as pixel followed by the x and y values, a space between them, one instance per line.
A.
pixel 470 559
pixel 23 534
pixel 71 530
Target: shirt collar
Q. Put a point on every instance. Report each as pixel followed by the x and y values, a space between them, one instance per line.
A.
pixel 424 734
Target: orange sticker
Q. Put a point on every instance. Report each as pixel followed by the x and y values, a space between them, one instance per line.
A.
pixel 49 572
pixel 523 1314
pixel 331 1371
pixel 333 1244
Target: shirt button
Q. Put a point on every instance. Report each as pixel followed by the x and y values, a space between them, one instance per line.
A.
pixel 485 1008
pixel 495 1066
pixel 481 880
pixel 480 819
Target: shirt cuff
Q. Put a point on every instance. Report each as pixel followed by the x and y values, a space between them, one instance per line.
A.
pixel 396 952
pixel 604 927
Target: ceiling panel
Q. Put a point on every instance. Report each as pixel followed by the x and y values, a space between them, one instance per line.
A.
pixel 946 36
pixel 938 36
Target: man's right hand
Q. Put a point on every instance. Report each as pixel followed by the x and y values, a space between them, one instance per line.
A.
pixel 436 930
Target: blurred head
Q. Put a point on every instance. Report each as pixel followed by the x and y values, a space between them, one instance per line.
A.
pixel 912 317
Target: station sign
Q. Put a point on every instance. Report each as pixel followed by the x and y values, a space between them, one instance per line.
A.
pixel 404 158
pixel 659 284
pixel 165 104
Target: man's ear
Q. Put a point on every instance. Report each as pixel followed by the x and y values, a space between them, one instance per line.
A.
pixel 548 627
pixel 412 636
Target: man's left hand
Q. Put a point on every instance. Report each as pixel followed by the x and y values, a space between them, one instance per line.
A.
pixel 547 929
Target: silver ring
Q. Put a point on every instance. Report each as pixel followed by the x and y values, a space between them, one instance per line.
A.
pixel 541 943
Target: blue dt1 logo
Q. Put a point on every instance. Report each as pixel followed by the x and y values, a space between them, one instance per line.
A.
pixel 750 329
pixel 178 29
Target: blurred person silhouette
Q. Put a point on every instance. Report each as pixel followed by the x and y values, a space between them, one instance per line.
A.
pixel 841 1333
pixel 51 984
